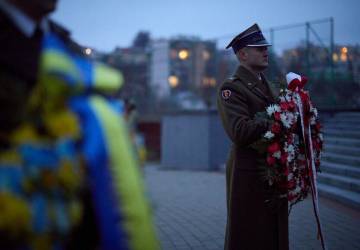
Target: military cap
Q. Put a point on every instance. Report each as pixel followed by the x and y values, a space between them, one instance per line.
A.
pixel 251 37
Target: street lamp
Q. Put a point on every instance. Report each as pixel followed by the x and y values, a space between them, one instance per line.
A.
pixel 88 51
pixel 173 81
pixel 183 54
pixel 343 56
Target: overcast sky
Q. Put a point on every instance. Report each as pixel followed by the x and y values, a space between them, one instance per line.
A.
pixel 105 24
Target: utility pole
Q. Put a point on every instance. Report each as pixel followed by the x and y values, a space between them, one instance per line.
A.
pixel 307 27
pixel 332 47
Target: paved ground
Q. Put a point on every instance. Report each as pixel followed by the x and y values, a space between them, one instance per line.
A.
pixel 190 213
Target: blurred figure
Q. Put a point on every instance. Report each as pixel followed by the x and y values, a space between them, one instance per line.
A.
pixel 131 116
pixel 68 178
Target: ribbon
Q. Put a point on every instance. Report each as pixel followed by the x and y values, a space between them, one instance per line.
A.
pixel 296 84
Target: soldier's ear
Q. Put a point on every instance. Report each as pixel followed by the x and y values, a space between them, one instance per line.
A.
pixel 242 54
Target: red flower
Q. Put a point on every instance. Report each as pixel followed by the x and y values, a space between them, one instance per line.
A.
pixel 283 158
pixel 273 147
pixel 316 145
pixel 318 126
pixel 302 150
pixel 290 140
pixel 284 106
pixel 291 197
pixel 270 160
pixel 291 184
pixel 276 128
pixel 291 105
pixel 286 171
pixel 277 116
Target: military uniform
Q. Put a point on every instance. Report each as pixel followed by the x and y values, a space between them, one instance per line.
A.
pixel 257 219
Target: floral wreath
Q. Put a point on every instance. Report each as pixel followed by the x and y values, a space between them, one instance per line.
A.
pixel 295 144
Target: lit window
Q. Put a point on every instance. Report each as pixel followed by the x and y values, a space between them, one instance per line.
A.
pixel 183 54
pixel 173 81
pixel 335 57
pixel 343 57
pixel 206 55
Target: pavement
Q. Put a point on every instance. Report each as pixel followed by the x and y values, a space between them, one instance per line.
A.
pixel 190 213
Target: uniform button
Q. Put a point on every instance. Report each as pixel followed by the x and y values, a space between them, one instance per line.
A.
pixel 249 83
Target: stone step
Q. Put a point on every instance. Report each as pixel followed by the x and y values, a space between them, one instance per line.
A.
pixel 345 197
pixel 342 133
pixel 344 150
pixel 342 182
pixel 354 122
pixel 342 159
pixel 342 126
pixel 333 140
pixel 347 114
pixel 340 169
pixel 343 117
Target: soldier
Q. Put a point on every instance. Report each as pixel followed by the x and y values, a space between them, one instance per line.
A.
pixel 257 216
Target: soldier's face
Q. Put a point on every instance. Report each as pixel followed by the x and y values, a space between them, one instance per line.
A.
pixel 256 57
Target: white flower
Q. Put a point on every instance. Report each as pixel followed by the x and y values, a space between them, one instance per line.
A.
pixel 321 137
pixel 282 99
pixel 290 176
pixel 290 149
pixel 312 120
pixel 287 119
pixel 314 110
pixel 269 135
pixel 272 109
pixel 288 97
pixel 297 189
pixel 290 157
pixel 277 154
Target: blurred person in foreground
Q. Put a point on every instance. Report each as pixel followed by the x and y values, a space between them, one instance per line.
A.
pixel 257 216
pixel 68 178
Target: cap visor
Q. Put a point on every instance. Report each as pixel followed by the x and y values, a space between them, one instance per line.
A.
pixel 259 45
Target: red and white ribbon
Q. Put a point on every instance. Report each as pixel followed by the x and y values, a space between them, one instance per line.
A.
pixel 296 84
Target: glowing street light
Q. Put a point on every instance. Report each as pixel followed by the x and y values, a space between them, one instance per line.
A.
pixel 344 54
pixel 183 54
pixel 335 57
pixel 88 51
pixel 343 57
pixel 173 81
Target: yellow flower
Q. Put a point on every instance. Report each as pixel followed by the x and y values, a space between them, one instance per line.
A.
pixel 63 123
pixel 75 212
pixel 10 157
pixel 25 133
pixel 15 215
pixel 68 177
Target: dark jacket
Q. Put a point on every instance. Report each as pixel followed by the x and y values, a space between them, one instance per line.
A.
pixel 256 220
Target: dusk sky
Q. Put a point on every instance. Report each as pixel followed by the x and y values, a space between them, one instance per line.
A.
pixel 105 24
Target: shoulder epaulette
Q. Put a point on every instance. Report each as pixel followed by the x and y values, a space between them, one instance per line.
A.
pixel 231 79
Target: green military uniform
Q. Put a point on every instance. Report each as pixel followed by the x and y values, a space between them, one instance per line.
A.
pixel 256 218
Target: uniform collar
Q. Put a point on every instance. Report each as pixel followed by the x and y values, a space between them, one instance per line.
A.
pixel 248 77
pixel 25 24
pixel 251 81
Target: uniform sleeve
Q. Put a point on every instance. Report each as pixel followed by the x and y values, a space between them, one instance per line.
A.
pixel 234 112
